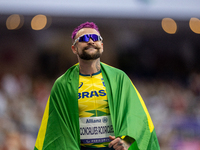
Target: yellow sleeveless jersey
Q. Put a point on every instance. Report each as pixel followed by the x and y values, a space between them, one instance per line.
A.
pixel 94 114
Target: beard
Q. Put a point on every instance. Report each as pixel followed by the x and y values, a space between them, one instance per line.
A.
pixel 86 56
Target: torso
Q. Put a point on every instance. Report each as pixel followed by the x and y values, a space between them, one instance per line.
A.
pixel 94 114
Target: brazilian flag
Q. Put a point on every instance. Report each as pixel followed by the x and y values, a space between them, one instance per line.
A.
pixel 59 129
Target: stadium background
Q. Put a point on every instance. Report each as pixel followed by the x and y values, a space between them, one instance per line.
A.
pixel 155 42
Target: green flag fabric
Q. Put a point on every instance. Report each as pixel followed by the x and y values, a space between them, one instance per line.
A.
pixel 59 129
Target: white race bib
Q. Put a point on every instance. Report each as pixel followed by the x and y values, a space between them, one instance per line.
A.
pixel 95 129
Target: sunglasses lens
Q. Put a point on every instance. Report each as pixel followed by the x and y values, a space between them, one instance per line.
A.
pixel 84 38
pixel 94 37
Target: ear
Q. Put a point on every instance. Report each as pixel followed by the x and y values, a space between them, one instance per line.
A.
pixel 73 49
pixel 102 46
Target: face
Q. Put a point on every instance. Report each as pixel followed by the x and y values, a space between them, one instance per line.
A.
pixel 87 50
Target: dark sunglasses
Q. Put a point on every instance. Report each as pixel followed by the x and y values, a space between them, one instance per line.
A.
pixel 86 38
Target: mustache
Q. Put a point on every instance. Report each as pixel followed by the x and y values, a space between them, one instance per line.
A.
pixel 91 46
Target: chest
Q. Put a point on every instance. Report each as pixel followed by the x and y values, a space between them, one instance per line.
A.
pixel 92 96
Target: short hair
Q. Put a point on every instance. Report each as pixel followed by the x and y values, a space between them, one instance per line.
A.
pixel 84 25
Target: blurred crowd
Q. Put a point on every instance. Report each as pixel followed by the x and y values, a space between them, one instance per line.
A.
pixel 22 103
pixel 174 107
pixel 175 110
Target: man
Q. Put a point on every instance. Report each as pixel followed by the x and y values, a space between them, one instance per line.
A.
pixel 94 106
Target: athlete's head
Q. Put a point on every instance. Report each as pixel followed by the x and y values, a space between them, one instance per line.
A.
pixel 87 42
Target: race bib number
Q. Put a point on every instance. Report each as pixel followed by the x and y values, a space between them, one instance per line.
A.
pixel 95 129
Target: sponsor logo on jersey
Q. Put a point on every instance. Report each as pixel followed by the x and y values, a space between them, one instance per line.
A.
pixel 93 121
pixel 105 119
pixel 102 81
pixel 80 85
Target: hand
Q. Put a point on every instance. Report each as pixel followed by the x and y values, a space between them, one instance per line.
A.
pixel 117 143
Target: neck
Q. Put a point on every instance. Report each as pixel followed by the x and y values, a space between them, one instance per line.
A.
pixel 89 66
